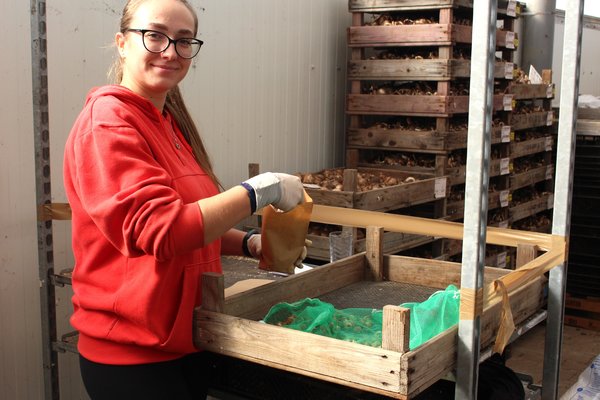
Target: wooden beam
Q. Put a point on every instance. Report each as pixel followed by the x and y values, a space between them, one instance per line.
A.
pixel 395 333
pixel 374 252
pixel 525 254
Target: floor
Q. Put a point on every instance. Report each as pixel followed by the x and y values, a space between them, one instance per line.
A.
pixel 579 348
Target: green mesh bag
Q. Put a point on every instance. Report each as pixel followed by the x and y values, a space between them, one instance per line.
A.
pixel 433 316
pixel 363 325
pixel 360 325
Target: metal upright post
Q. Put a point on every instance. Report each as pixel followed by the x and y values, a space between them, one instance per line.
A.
pixel 41 123
pixel 561 219
pixel 476 199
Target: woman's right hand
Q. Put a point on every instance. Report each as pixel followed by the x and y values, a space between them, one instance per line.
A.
pixel 284 191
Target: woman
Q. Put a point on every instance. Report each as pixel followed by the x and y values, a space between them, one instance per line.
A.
pixel 148 218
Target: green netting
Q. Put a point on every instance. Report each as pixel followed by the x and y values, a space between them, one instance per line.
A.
pixel 363 325
pixel 433 316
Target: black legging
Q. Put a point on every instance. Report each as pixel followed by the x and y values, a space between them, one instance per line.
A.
pixel 186 378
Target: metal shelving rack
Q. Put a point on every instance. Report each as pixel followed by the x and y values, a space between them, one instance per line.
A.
pixel 475 222
pixel 41 129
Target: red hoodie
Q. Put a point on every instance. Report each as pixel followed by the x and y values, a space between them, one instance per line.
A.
pixel 132 183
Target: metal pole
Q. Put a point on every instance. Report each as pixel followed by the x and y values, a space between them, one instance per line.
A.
pixel 476 200
pixel 537 42
pixel 39 64
pixel 561 219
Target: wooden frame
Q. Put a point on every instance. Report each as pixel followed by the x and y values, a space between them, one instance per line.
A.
pixel 230 325
pixel 426 188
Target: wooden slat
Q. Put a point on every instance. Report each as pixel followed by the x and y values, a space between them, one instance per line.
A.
pixel 432 140
pixel 525 254
pixel 527 121
pixel 532 146
pixel 404 139
pixel 427 226
pixel 255 303
pixel 416 105
pixel 329 359
pixel 401 196
pixel 431 273
pixel 408 35
pixel 393 242
pixel 423 70
pixel 407 104
pixel 531 91
pixel 54 211
pixel 395 332
pixel 374 253
pixel 530 208
pixel 535 175
pixel 417 35
pixel 404 5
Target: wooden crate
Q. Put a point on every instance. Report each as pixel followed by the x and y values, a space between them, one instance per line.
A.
pixel 425 189
pixel 420 35
pixel 420 70
pixel 230 325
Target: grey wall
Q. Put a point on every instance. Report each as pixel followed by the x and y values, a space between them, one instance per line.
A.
pixel 268 87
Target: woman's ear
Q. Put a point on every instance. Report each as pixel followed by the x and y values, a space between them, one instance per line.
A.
pixel 120 42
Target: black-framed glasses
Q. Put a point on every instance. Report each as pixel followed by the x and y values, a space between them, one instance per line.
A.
pixel 157 42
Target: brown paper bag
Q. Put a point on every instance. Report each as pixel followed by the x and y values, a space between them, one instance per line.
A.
pixel 283 236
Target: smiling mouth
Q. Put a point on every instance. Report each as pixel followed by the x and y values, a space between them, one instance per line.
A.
pixel 164 67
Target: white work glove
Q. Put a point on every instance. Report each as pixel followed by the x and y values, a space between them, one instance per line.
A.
pixel 298 262
pixel 255 248
pixel 284 191
pixel 255 245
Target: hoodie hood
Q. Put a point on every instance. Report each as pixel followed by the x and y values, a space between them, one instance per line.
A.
pixel 126 96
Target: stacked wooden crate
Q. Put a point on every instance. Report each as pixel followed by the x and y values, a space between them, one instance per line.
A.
pixel 408 105
pixel 369 189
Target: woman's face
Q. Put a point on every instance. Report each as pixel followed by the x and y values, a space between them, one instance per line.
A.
pixel 152 75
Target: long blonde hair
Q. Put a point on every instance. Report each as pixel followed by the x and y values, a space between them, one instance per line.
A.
pixel 174 104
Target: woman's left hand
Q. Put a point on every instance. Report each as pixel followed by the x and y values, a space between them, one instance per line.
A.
pixel 255 249
pixel 255 245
